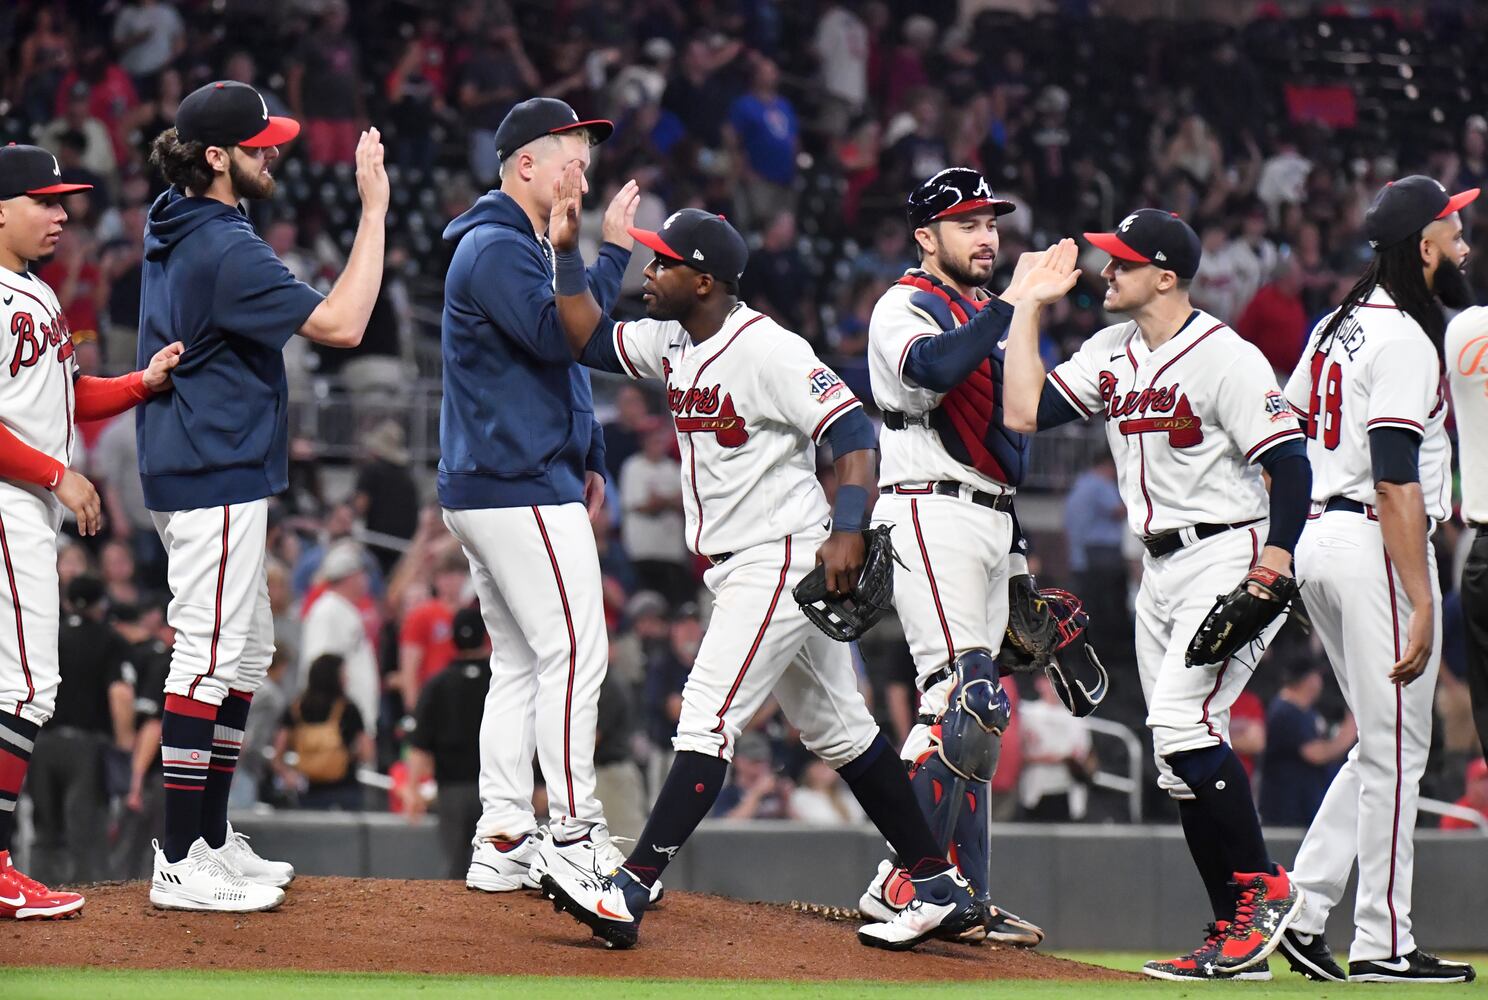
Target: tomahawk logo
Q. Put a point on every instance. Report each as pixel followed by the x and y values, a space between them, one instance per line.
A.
pixel 670 852
pixel 670 219
pixel 1126 223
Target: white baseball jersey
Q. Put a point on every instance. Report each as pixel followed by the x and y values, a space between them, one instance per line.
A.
pixel 36 401
pixel 1378 370
pixel 914 454
pixel 746 403
pixel 1185 422
pixel 1467 370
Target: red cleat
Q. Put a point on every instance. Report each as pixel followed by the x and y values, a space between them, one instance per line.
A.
pixel 24 898
pixel 1265 908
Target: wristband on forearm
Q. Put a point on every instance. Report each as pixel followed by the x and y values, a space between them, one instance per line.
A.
pixel 569 273
pixel 850 511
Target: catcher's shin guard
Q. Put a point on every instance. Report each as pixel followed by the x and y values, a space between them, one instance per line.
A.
pixel 957 812
pixel 977 714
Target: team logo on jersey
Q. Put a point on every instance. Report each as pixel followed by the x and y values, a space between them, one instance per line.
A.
pixel 824 384
pixel 1277 407
pixel 1153 411
pixel 721 419
pixel 1473 358
pixel 30 346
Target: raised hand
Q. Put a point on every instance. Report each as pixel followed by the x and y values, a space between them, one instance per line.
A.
pixel 157 375
pixel 620 216
pixel 1054 275
pixel 372 179
pixel 568 199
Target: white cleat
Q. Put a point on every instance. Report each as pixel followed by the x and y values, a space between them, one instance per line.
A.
pixel 203 881
pixel 593 854
pixel 888 893
pixel 943 907
pixel 236 852
pixel 494 870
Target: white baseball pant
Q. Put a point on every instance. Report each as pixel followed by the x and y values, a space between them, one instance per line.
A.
pixel 29 612
pixel 1360 611
pixel 536 572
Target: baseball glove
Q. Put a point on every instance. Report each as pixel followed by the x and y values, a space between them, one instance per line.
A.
pixel 1050 620
pixel 1032 629
pixel 1239 617
pixel 845 617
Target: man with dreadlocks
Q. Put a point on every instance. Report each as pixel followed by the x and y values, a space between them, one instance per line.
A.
pixel 1369 387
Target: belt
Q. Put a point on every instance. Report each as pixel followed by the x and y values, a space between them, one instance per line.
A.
pixel 951 488
pixel 1342 503
pixel 719 559
pixel 1171 541
pixel 896 421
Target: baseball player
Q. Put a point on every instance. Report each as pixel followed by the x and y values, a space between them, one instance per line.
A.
pixel 1369 386
pixel 1192 415
pixel 521 455
pixel 212 452
pixel 1467 370
pixel 749 399
pixel 950 468
pixel 42 396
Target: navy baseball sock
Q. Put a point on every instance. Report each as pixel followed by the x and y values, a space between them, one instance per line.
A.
pixel 1222 789
pixel 1206 846
pixel 687 795
pixel 227 740
pixel 881 786
pixel 17 737
pixel 186 754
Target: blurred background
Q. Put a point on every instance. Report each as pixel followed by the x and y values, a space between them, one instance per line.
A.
pixel 1269 126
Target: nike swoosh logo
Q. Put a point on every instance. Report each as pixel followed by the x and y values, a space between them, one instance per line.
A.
pixel 1399 965
pixel 8 299
pixel 18 901
pixel 1116 357
pixel 1002 344
pixel 605 912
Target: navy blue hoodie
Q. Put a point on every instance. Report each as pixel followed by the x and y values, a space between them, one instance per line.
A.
pixel 222 435
pixel 516 426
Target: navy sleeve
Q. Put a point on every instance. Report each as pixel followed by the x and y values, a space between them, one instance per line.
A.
pixel 605 274
pixel 942 362
pixel 852 431
pixel 510 283
pixel 595 460
pixel 1053 408
pixel 1291 491
pixel 1395 455
pixel 257 298
pixel 600 351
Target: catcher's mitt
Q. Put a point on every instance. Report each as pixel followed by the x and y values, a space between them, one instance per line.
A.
pixel 1032 629
pixel 846 617
pixel 1239 617
pixel 1051 620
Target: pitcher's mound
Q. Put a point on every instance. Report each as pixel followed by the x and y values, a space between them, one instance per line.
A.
pixel 384 925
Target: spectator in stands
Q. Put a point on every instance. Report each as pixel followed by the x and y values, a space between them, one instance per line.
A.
pixel 778 282
pixel 387 498
pixel 1057 760
pixel 148 34
pixel 45 58
pixel 334 625
pixel 1276 319
pixel 491 83
pixel 1095 526
pixel 1472 171
pixel 325 88
pixel 265 715
pixel 754 789
pixel 1301 756
pixel 445 741
pixel 416 90
pixel 824 798
pixel 763 130
pixel 651 523
pixel 633 422
pixel 697 93
pixel 618 782
pixel 917 148
pixel 241 67
pixel 648 634
pixel 1283 177
pixel 147 651
pixel 78 281
pixel 1219 287
pixel 286 620
pixel 1248 730
pixel 666 672
pixel 109 93
pixel 71 146
pixel 841 48
pixel 339 524
pixel 116 567
pixel 324 730
pixel 97 157
pixel 427 640
pixel 1474 798
pixel 888 258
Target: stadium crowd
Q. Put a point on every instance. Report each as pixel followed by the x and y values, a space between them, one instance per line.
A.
pixel 805 123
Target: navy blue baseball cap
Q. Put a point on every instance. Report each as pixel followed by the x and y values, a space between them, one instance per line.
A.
pixel 468 630
pixel 953 191
pixel 1403 208
pixel 1153 236
pixel 228 113
pixel 540 116
pixel 701 240
pixel 31 170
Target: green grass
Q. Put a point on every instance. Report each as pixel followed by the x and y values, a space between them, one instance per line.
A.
pixel 99 984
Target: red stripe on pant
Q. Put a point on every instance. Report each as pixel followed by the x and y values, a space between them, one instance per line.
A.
pixel 914 513
pixel 573 658
pixel 759 637
pixel 217 614
pixel 1395 828
pixel 15 599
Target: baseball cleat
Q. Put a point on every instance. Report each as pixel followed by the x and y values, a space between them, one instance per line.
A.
pixel 1417 967
pixel 246 861
pixel 1199 965
pixel 1266 907
pixel 1008 928
pixel 609 905
pixel 24 898
pixel 608 857
pixel 889 892
pixel 1309 955
pixel 502 866
pixel 203 881
pixel 943 907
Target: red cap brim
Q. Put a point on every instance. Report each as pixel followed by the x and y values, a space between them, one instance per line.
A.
pixel 604 128
pixel 60 189
pixel 647 238
pixel 1456 202
pixel 1116 247
pixel 997 205
pixel 276 133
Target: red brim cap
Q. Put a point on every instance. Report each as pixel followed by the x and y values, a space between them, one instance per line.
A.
pixel 1456 202
pixel 276 133
pixel 1113 245
pixel 603 129
pixel 60 189
pixel 647 238
pixel 999 206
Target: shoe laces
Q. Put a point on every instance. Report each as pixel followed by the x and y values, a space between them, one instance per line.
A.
pixel 26 882
pixel 222 869
pixel 1245 908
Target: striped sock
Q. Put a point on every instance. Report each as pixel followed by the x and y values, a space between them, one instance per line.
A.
pixel 17 737
pixel 186 753
pixel 227 740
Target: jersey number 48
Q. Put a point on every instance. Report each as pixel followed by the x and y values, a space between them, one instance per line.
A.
pixel 1325 410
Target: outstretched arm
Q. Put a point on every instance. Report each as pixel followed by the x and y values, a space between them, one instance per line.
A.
pixel 1023 369
pixel 579 313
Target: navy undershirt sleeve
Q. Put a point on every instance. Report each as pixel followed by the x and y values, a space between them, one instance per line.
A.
pixel 600 351
pixel 852 431
pixel 1053 408
pixel 1395 455
pixel 942 362
pixel 1291 491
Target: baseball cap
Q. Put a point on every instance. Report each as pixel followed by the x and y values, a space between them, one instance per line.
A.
pixel 951 192
pixel 646 602
pixel 469 629
pixel 85 591
pixel 1153 236
pixel 228 113
pixel 31 170
pixel 342 560
pixel 1403 208
pixel 753 745
pixel 701 240
pixel 540 116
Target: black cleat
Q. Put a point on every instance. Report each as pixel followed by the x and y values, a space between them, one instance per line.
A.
pixel 1308 955
pixel 1417 967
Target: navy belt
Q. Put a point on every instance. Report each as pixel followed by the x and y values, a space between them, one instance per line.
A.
pixel 951 488
pixel 1344 503
pixel 1171 541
